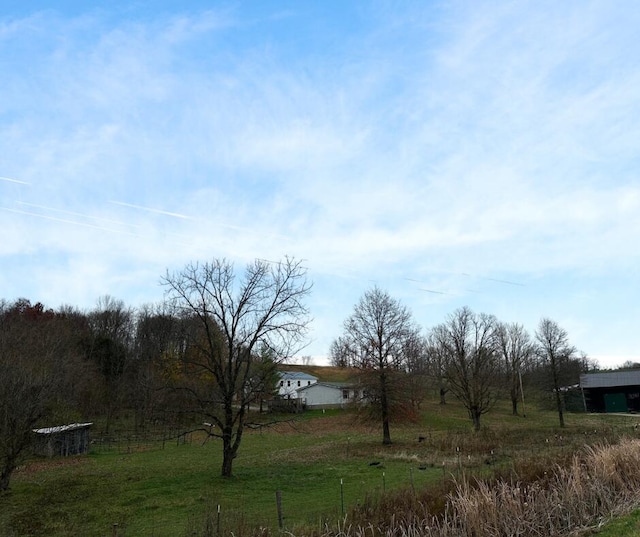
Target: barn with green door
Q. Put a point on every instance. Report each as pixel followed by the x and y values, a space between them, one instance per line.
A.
pixel 612 391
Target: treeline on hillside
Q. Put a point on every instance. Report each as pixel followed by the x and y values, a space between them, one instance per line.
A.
pixel 84 364
pixel 115 357
pixel 206 354
pixel 209 356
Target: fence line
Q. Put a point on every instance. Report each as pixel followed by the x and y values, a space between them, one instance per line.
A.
pixel 281 510
pixel 129 442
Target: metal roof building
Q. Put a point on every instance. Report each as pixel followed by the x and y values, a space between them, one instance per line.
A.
pixel 62 440
pixel 611 391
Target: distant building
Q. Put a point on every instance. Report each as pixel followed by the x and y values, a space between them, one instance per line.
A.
pixel 63 440
pixel 291 381
pixel 329 395
pixel 612 391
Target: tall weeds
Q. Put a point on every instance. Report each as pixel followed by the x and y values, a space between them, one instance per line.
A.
pixel 595 484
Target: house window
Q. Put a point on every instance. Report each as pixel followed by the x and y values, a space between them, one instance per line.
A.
pixel 345 394
pixel 308 383
pixel 282 383
pixel 288 383
pixel 298 384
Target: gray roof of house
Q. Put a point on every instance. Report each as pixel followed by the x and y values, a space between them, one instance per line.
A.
pixel 296 375
pixel 335 385
pixel 610 379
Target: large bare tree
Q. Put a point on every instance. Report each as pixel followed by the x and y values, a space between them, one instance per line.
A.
pixel 516 348
pixel 376 339
pixel 556 353
pixel 472 364
pixel 436 355
pixel 232 318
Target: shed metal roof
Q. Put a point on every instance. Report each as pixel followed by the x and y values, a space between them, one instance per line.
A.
pixel 610 379
pixel 62 428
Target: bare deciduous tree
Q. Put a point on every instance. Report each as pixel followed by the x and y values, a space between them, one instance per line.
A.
pixel 472 360
pixel 339 353
pixel 233 317
pixel 376 338
pixel 516 349
pixel 554 350
pixel 109 347
pixel 157 334
pixel 437 360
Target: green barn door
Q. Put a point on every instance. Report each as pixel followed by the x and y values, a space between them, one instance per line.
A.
pixel 615 402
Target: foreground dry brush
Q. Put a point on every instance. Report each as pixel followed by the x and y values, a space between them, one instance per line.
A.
pixel 597 483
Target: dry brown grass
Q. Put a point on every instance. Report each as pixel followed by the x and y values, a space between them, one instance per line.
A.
pixel 592 486
pixel 324 373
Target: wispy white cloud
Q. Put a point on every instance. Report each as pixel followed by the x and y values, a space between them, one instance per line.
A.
pixel 493 139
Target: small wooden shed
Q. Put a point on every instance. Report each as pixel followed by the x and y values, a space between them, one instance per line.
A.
pixel 63 440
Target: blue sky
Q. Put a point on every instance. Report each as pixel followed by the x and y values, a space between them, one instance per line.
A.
pixel 463 153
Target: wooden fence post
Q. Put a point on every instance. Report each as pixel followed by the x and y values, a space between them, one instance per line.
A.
pixel 279 507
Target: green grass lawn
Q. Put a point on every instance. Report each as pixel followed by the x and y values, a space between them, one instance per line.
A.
pixel 627 526
pixel 169 491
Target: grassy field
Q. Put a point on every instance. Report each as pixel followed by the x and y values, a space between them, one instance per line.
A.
pixel 322 463
pixel 627 526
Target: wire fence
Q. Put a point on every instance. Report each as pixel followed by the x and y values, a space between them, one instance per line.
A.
pixel 275 511
pixel 132 441
pixel 274 506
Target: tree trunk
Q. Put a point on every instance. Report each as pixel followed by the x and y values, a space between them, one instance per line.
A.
pixel 386 434
pixel 228 453
pixel 556 386
pixel 560 410
pixel 5 475
pixel 443 394
pixel 227 461
pixel 475 418
pixel 384 404
pixel 514 405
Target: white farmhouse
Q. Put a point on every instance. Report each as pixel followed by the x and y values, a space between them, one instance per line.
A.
pixel 291 381
pixel 329 395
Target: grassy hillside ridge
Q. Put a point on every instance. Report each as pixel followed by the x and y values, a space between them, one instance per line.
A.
pixel 150 490
pixel 323 373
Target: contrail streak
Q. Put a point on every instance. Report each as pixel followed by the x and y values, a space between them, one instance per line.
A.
pixel 8 179
pixel 426 290
pixel 151 210
pixel 505 281
pixel 73 213
pixel 494 280
pixel 433 292
pixel 73 222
